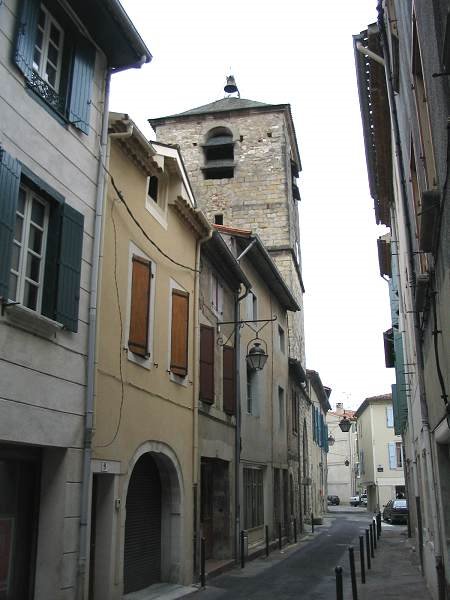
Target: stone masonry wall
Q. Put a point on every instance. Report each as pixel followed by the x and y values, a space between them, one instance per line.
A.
pixel 258 197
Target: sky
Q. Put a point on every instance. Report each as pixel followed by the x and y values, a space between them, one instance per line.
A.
pixel 297 52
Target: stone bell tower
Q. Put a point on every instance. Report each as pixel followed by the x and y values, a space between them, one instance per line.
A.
pixel 243 161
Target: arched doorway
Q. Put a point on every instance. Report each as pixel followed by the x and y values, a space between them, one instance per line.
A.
pixel 142 549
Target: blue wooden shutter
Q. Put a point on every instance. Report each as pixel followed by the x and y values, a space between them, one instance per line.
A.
pixel 81 84
pixel 69 267
pixel 9 191
pixel 26 36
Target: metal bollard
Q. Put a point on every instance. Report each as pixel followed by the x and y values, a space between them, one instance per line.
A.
pixel 351 557
pixel 367 549
pixel 312 522
pixel 295 530
pixel 202 563
pixel 267 540
pixel 375 528
pixel 339 586
pixel 242 549
pixel 379 524
pixel 280 541
pixel 372 552
pixel 361 559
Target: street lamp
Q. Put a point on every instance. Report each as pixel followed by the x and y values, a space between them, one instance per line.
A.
pixel 256 356
pixel 345 425
pixel 331 440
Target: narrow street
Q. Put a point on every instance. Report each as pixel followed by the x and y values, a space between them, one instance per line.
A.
pixel 308 570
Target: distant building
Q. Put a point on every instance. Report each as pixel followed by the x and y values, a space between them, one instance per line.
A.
pixel 380 452
pixel 342 455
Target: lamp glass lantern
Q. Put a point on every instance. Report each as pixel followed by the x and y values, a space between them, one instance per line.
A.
pixel 331 440
pixel 256 356
pixel 345 424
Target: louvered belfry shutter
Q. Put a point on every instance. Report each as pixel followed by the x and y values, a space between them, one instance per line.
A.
pixel 140 305
pixel 9 191
pixel 69 267
pixel 229 388
pixel 81 84
pixel 26 36
pixel 179 337
pixel 206 363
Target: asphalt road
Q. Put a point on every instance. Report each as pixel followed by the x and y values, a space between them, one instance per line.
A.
pixel 306 572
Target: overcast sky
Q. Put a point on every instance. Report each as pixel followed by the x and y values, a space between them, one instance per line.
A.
pixel 297 52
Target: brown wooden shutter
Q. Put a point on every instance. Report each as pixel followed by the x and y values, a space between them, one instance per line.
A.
pixel 180 329
pixel 206 363
pixel 229 389
pixel 140 305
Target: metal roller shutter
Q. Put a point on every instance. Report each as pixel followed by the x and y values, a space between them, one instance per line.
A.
pixel 142 553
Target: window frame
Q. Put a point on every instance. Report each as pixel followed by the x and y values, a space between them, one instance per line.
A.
pixel 281 408
pixel 158 208
pixel 21 273
pixel 146 362
pixel 40 68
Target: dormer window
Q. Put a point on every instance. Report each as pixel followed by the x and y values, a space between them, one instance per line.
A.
pixel 219 154
pixel 153 188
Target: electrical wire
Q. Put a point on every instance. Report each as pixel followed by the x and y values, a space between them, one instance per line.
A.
pixel 144 233
pixel 122 399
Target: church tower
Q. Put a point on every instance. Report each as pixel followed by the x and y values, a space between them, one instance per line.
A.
pixel 243 161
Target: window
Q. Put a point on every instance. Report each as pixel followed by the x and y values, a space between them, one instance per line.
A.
pixel 141 274
pixel 395 455
pixel 47 57
pixel 281 339
pixel 253 498
pixel 218 219
pixel 216 295
pixel 295 413
pixel 41 240
pixel 56 60
pixel 206 364
pixel 229 380
pixel 153 183
pixel 179 333
pixel 251 391
pixel 219 154
pixel 389 416
pixel 281 415
pixel 28 251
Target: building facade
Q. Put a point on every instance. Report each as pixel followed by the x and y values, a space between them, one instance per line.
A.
pixel 318 443
pixel 342 455
pixel 402 65
pixel 380 451
pixel 145 453
pixel 56 61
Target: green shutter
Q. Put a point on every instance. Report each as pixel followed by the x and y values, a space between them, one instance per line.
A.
pixel 26 35
pixel 401 409
pixel 9 191
pixel 81 84
pixel 51 261
pixel 69 267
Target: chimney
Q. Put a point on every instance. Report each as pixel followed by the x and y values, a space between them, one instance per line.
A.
pixel 340 408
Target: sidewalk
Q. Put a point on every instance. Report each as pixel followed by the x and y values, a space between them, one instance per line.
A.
pixel 395 572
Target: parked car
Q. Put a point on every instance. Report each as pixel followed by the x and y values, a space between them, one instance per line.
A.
pixel 333 500
pixel 396 511
pixel 358 500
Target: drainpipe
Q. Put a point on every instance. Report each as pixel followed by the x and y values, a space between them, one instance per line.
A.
pixel 196 391
pixel 90 369
pixel 416 323
pixel 237 439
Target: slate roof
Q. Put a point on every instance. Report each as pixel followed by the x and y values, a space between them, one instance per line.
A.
pixel 222 105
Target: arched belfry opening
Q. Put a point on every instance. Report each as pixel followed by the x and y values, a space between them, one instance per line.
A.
pixel 219 154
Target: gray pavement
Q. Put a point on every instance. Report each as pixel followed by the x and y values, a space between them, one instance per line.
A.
pixel 306 570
